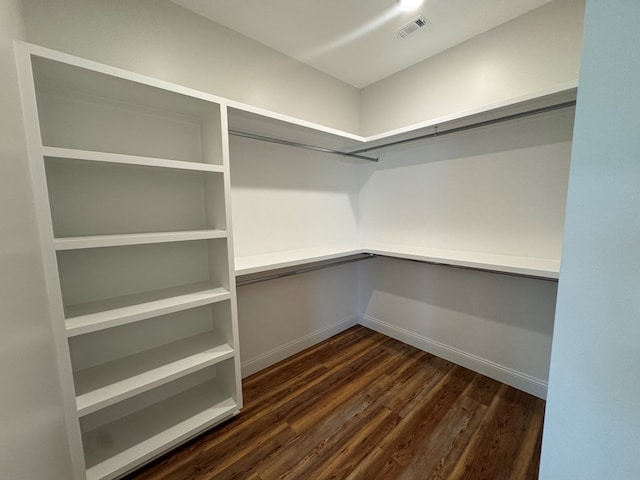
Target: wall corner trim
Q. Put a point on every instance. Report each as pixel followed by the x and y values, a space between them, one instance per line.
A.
pixel 271 357
pixel 514 378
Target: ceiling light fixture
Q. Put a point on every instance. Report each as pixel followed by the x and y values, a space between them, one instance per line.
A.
pixel 409 4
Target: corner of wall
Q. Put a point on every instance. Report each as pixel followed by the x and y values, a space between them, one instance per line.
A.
pixel 166 41
pixel 32 415
pixel 534 52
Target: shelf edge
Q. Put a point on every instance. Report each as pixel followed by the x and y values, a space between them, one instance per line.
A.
pixel 101 241
pixel 124 159
pixel 86 407
pixel 89 323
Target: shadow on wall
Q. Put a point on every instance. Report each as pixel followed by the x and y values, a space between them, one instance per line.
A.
pixel 286 198
pixel 447 292
pixel 524 133
pixel 260 165
pixel 280 317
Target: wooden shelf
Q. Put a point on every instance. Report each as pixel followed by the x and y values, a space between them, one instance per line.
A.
pixel 95 316
pixel 104 157
pixel 143 435
pixel 272 261
pixel 97 241
pixel 103 385
pixel 535 267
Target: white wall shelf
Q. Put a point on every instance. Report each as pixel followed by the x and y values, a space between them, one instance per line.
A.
pixel 272 261
pixel 155 198
pixel 97 241
pixel 141 436
pixel 243 118
pixel 90 156
pixel 95 316
pixel 534 267
pixel 103 385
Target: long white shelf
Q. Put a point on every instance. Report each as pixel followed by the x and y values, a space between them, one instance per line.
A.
pixel 98 241
pixel 272 261
pixel 105 157
pixel 103 385
pixel 99 315
pixel 529 266
pixel 536 267
pixel 250 119
pixel 143 435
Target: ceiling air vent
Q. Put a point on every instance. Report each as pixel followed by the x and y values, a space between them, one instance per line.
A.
pixel 414 25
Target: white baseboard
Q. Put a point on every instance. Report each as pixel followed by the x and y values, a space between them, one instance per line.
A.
pixel 519 380
pixel 275 355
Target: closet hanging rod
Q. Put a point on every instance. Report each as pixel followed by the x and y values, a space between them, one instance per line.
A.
pixel 262 138
pixel 338 261
pixel 471 126
pixel 298 271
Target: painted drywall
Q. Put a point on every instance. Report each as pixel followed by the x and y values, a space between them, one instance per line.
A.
pixel 162 40
pixel 499 189
pixel 498 325
pixel 285 198
pixel 32 438
pixel 165 41
pixel 281 317
pixel 592 424
pixel 533 53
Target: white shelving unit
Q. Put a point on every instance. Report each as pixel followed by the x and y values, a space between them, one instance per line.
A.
pixel 268 124
pixel 131 181
pixel 132 189
pixel 527 266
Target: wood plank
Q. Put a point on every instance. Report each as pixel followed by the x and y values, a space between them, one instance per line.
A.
pixel 441 449
pixel 493 452
pixel 325 428
pixel 447 441
pixel 362 406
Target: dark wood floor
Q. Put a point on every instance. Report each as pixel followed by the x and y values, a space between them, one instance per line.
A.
pixel 363 406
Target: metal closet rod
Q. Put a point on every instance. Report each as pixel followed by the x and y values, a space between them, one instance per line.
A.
pixel 367 256
pixel 262 138
pixel 298 271
pixel 436 133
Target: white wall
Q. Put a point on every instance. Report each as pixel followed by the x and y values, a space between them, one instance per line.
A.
pixel 32 437
pixel 499 189
pixel 534 52
pixel 592 424
pixel 498 325
pixel 280 317
pixel 158 38
pixel 286 198
pixel 163 40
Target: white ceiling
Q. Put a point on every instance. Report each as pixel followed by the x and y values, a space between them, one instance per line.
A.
pixel 353 40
